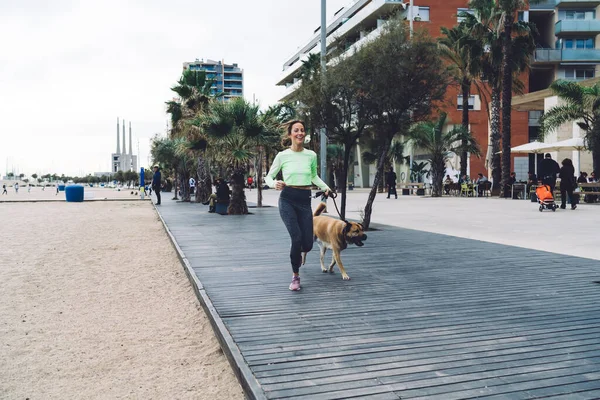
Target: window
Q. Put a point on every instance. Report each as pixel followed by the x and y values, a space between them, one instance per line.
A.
pixel 579 73
pixel 422 14
pixel 576 15
pixel 471 102
pixel 578 43
pixel 523 16
pixel 459 11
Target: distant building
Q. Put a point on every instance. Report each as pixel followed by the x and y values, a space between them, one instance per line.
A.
pixel 121 160
pixel 229 78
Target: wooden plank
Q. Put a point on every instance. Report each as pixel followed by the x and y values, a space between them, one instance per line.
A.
pixel 434 316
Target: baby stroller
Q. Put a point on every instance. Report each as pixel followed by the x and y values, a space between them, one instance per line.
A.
pixel 545 198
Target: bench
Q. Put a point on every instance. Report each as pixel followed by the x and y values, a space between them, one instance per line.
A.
pixel 413 188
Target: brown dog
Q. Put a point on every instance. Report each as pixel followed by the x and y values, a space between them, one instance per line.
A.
pixel 335 234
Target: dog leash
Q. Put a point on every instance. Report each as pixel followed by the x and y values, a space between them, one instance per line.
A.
pixel 333 195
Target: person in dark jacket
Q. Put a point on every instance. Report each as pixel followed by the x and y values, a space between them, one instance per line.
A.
pixel 567 183
pixel 548 170
pixel 391 183
pixel 156 179
pixel 223 191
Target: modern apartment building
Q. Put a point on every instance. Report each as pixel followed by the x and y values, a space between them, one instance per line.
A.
pixel 229 78
pixel 569 47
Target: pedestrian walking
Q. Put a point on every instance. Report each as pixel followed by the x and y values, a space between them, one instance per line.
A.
pixel 567 184
pixel 548 170
pixel 4 189
pixel 28 188
pixel 156 182
pixel 391 183
pixel 17 187
pixel 299 169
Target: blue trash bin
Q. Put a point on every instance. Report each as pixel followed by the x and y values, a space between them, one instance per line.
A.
pixel 74 193
pixel 61 188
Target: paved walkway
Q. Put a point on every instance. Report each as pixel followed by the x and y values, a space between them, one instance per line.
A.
pixel 425 315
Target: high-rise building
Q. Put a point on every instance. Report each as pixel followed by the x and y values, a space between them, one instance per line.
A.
pixel 121 160
pixel 228 78
pixel 568 48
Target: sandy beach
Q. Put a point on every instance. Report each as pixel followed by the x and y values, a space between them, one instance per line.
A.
pixel 95 304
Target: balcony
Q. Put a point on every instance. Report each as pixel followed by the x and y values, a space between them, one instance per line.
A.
pixel 554 56
pixel 566 27
pixel 543 5
pixel 581 55
pixel 577 3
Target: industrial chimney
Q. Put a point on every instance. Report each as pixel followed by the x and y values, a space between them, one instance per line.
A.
pixel 118 143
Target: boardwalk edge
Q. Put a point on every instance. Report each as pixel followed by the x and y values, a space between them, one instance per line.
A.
pixel 250 385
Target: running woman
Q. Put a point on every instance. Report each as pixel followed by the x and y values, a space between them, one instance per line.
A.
pixel 299 168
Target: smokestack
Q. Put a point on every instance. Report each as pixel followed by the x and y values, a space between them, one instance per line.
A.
pixel 124 134
pixel 118 143
pixel 130 144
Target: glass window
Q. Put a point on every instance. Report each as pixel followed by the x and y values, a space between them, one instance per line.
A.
pixel 580 43
pixel 568 43
pixel 423 14
pixel 471 102
pixel 589 43
pixel 459 11
pixel 569 72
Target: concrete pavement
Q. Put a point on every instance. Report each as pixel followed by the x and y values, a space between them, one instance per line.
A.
pixel 494 220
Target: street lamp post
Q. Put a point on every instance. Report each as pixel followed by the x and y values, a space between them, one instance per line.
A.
pixel 323 136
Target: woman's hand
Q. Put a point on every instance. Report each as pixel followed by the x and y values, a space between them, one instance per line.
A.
pixel 327 193
pixel 279 185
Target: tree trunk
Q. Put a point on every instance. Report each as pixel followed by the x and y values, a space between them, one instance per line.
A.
pixel 438 168
pixel 176 182
pixel 237 203
pixel 507 80
pixel 378 177
pixel 258 179
pixel 465 87
pixel 204 184
pixel 495 138
pixel 344 180
pixel 185 185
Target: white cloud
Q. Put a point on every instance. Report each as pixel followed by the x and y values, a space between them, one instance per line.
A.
pixel 68 69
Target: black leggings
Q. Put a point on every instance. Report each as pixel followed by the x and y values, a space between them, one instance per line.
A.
pixel 296 214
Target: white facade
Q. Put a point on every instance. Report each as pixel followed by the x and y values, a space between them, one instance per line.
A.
pixel 350 28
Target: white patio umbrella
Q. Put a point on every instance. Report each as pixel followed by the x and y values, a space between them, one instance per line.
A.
pixel 573 144
pixel 530 148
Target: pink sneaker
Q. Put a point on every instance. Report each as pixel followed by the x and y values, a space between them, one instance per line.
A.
pixel 295 285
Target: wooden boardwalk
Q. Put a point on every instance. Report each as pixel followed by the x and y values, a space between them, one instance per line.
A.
pixel 425 316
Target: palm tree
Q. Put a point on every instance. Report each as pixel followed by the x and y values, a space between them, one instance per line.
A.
pixel 439 146
pixel 509 9
pixel 311 66
pixel 371 142
pixel 235 126
pixel 195 93
pixel 581 105
pixel 486 25
pixel 464 52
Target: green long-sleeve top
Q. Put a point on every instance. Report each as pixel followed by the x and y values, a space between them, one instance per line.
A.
pixel 299 168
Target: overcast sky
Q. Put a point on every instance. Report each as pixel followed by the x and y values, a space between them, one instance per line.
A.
pixel 68 69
